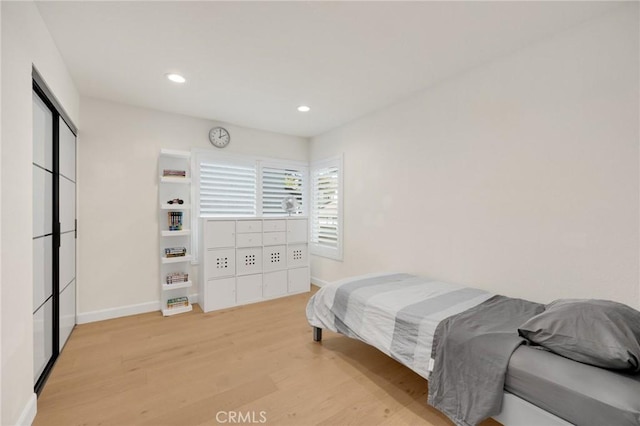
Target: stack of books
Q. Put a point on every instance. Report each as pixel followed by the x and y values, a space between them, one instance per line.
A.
pixel 175 251
pixel 175 221
pixel 177 302
pixel 177 277
pixel 174 173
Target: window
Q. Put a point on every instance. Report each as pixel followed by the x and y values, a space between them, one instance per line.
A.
pixel 227 189
pixel 230 186
pixel 326 208
pixel 278 183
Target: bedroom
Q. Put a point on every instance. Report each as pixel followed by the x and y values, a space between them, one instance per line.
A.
pixel 514 168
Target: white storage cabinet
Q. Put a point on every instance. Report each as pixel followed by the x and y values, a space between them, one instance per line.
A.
pixel 251 260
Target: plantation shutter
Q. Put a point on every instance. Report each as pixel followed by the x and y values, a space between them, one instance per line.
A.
pixel 326 218
pixel 278 183
pixel 227 189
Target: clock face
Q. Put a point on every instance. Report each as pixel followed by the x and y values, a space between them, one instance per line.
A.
pixel 219 137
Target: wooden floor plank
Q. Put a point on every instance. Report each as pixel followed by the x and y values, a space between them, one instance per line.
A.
pixel 256 360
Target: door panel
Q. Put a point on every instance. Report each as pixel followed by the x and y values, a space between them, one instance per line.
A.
pixel 67 149
pixel 67 205
pixel 42 202
pixel 42 134
pixel 42 270
pixel 67 313
pixel 42 338
pixel 67 259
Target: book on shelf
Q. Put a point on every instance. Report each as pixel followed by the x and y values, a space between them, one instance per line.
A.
pixel 175 221
pixel 174 173
pixel 175 251
pixel 177 277
pixel 177 302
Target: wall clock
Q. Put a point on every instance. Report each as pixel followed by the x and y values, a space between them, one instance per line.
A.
pixel 219 137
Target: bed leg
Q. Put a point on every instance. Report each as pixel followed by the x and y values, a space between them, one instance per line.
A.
pixel 317 334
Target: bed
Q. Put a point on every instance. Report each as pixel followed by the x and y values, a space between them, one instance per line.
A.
pixel 465 341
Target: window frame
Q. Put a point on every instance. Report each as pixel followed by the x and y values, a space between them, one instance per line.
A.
pixel 315 248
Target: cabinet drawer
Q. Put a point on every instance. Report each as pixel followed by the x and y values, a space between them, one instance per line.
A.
pixel 274 238
pixel 274 284
pixel 275 225
pixel 297 255
pixel 298 281
pixel 251 239
pixel 249 288
pixel 220 263
pixel 274 257
pixel 218 234
pixel 297 231
pixel 249 260
pixel 219 294
pixel 249 226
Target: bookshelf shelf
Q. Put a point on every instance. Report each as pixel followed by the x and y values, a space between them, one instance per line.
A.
pixel 166 233
pixel 177 259
pixel 169 287
pixel 175 206
pixel 174 219
pixel 174 153
pixel 168 179
pixel 167 312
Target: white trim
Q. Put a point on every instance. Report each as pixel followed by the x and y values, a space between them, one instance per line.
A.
pixel 318 282
pixel 216 154
pixel 124 311
pixel 29 412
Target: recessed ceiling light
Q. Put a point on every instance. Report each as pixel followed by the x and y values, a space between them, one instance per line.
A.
pixel 176 78
pixel 303 108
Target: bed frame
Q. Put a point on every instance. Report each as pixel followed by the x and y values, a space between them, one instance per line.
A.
pixel 515 410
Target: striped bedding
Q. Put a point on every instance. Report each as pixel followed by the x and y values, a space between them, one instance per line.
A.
pixel 396 313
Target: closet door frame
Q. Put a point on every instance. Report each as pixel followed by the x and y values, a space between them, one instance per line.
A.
pixel 46 96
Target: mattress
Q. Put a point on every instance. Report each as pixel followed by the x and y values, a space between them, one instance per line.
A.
pixel 576 392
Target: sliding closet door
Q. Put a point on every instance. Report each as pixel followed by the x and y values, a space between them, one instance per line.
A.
pixel 54 230
pixel 67 209
pixel 43 238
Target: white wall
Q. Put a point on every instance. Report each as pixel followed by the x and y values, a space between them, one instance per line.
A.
pixel 118 237
pixel 0 209
pixel 25 41
pixel 520 176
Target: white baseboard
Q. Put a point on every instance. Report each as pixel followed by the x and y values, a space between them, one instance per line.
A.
pixel 29 412
pixel 317 281
pixel 124 311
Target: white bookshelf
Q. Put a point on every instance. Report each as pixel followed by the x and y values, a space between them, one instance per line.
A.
pixel 174 188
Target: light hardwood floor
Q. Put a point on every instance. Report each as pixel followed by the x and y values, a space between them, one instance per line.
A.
pixel 257 360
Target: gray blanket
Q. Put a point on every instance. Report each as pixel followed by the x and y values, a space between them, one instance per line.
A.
pixel 471 352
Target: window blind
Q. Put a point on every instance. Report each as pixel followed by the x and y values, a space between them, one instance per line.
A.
pixel 227 189
pixel 325 210
pixel 278 183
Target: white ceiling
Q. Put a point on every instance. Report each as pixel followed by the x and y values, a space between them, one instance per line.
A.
pixel 253 63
